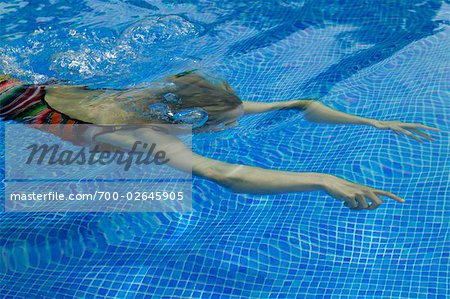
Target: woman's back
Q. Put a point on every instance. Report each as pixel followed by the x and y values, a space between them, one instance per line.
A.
pixel 102 107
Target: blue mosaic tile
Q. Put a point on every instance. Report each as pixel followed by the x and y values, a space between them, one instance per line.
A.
pixel 374 59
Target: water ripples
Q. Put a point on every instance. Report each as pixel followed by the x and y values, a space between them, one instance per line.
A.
pixel 144 50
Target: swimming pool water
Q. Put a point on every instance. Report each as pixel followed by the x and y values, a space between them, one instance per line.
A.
pixel 379 59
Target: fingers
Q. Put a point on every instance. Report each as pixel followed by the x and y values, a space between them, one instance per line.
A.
pixel 388 194
pixel 359 197
pixel 410 135
pixel 351 203
pixel 417 131
pixel 413 125
pixel 405 128
pixel 376 201
pixel 362 202
pixel 425 135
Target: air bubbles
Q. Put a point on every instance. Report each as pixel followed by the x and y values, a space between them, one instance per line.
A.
pixel 160 111
pixel 102 57
pixel 144 49
pixel 171 97
pixel 196 117
pixel 81 62
pixel 159 30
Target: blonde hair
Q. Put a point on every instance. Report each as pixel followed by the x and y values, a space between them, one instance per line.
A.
pixel 195 91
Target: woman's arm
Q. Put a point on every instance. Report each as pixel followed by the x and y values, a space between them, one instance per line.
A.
pixel 249 179
pixel 315 111
pixel 320 113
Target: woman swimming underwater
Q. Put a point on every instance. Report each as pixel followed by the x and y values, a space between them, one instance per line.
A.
pixel 190 98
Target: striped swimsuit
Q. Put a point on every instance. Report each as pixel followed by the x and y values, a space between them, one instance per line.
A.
pixel 25 103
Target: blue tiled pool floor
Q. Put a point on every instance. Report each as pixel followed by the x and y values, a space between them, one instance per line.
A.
pixel 379 60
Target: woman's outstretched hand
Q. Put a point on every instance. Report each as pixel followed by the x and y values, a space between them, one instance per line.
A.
pixel 356 196
pixel 406 128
